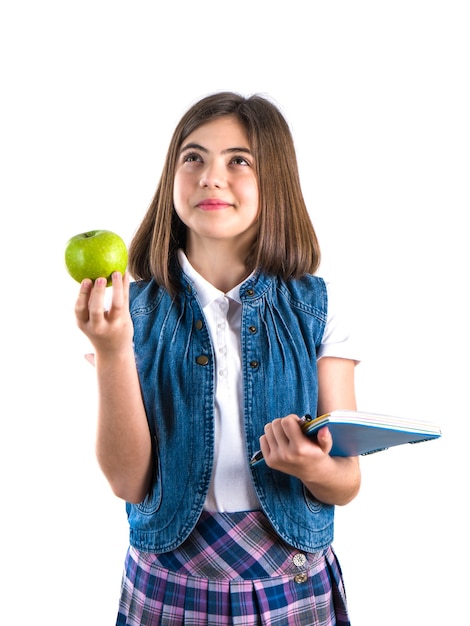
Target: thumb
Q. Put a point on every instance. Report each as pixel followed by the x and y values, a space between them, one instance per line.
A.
pixel 324 439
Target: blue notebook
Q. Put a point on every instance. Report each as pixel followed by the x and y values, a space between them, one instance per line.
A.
pixel 358 433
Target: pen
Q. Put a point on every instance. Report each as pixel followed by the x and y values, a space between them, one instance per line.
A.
pixel 258 456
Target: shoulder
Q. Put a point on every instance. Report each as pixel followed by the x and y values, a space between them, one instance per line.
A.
pixel 308 293
pixel 144 296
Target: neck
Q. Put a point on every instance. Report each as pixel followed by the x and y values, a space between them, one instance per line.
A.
pixel 221 266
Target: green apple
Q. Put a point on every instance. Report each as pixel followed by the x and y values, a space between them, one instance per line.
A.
pixel 95 254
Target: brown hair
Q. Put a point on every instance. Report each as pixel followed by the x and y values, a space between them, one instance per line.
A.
pixel 286 244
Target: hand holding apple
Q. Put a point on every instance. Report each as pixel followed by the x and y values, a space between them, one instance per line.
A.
pixel 95 254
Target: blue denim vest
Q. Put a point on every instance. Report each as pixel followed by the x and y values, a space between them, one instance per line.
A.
pixel 281 330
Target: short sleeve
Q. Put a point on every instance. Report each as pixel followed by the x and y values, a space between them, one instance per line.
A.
pixel 339 339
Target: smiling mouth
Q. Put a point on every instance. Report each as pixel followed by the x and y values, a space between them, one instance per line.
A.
pixel 212 205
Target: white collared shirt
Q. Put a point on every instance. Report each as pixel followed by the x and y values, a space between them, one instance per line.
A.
pixel 231 487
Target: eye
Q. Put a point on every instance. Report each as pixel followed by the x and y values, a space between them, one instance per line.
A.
pixel 240 160
pixel 191 157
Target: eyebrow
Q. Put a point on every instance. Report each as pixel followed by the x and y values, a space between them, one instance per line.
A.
pixel 196 146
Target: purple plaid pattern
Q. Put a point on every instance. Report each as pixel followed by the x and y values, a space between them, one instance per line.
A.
pixel 232 570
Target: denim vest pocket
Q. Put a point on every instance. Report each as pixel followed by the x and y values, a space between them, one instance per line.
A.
pixel 313 504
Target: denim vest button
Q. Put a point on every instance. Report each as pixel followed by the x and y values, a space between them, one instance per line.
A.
pixel 198 324
pixel 254 364
pixel 252 329
pixel 250 292
pixel 202 359
pixel 300 578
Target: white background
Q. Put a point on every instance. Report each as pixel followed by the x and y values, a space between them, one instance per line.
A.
pixel 377 95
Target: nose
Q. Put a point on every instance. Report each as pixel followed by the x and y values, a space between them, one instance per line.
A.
pixel 212 177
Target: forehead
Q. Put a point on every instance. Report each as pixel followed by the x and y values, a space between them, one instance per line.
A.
pixel 222 132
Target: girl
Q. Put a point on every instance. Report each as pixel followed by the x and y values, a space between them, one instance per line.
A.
pixel 223 340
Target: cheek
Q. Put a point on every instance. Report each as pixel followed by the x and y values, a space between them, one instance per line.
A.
pixel 178 190
pixel 178 206
pixel 253 198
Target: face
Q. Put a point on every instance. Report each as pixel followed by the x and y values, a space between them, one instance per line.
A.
pixel 215 187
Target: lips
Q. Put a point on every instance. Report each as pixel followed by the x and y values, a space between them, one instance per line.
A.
pixel 212 204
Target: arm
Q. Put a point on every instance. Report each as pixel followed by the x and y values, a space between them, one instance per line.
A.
pixel 332 480
pixel 123 443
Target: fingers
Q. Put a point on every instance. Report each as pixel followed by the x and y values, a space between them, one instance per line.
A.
pixel 96 306
pixel 282 432
pixel 120 299
pixel 81 305
pixel 286 428
pixel 107 323
pixel 284 443
pixel 91 297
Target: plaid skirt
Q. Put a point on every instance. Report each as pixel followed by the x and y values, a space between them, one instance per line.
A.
pixel 232 570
